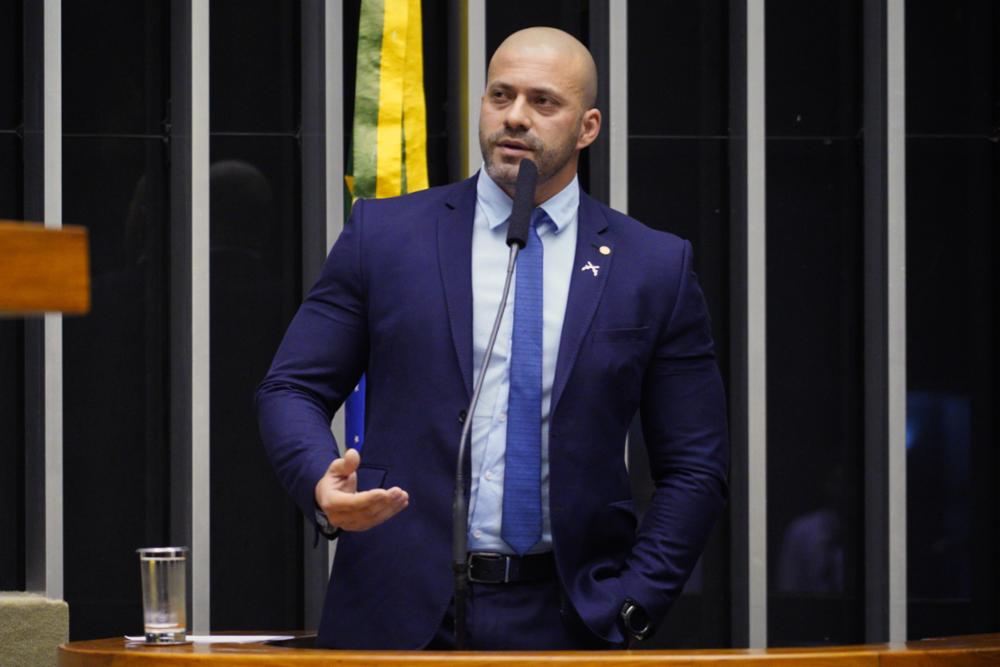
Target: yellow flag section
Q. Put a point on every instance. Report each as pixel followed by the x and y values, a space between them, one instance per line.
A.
pixel 389 154
pixel 390 136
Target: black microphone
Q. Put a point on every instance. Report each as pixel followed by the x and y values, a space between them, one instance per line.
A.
pixel 517 238
pixel 524 204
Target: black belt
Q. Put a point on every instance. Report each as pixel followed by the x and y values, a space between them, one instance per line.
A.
pixel 491 568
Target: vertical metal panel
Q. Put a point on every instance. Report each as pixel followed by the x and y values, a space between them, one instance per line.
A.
pixel 756 327
pixel 52 345
pixel 321 86
pixel 200 323
pixel 335 94
pixel 885 321
pixel 189 294
pixel 335 160
pixel 748 292
pixel 618 104
pixel 474 53
pixel 896 281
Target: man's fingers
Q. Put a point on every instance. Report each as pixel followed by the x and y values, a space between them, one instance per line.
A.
pixel 368 501
pixel 360 511
pixel 343 467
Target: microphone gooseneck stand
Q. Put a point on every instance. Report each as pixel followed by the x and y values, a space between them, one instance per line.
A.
pixel 517 236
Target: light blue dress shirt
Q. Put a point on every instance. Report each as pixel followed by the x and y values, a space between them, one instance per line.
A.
pixel 489 424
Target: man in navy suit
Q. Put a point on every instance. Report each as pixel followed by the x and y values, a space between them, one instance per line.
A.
pixel 613 323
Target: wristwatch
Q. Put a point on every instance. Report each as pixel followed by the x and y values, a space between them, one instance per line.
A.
pixel 635 621
pixel 323 525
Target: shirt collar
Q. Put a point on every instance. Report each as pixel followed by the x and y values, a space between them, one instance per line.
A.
pixel 561 207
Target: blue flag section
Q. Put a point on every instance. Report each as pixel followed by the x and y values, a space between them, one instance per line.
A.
pixel 354 417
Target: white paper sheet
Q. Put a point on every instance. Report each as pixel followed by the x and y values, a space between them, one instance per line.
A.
pixel 221 639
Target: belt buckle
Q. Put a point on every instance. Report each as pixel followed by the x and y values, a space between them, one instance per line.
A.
pixel 491 557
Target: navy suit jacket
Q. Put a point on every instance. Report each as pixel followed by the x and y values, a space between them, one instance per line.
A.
pixel 395 301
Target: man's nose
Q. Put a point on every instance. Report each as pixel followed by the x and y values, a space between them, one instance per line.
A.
pixel 518 116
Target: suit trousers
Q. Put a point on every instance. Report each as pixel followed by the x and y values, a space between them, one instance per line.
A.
pixel 530 616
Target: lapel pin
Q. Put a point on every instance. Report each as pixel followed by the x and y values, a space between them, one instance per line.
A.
pixel 604 250
pixel 590 266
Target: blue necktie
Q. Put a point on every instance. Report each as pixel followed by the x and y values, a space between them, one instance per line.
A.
pixel 521 526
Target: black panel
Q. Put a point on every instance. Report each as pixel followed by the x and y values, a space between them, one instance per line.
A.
pixel 11 177
pixel 437 61
pixel 114 166
pixel 814 392
pixel 813 64
pixel 681 186
pixel 953 317
pixel 255 289
pixel 10 66
pixel 678 55
pixel 11 331
pixel 504 18
pixel 254 66
pixel 115 384
pixel 113 76
pixel 12 455
pixel 953 67
pixel 255 292
pixel 352 20
pixel 953 382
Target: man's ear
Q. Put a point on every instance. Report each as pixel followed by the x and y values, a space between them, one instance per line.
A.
pixel 590 127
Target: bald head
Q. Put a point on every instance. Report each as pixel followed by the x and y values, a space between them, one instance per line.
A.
pixel 538 104
pixel 555 46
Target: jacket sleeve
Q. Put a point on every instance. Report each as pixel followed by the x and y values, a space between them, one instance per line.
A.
pixel 683 414
pixel 320 360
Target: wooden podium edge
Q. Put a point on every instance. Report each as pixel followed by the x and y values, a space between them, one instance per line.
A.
pixel 950 651
pixel 43 270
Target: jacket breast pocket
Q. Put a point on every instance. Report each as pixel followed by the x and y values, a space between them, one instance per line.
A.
pixel 371 477
pixel 621 334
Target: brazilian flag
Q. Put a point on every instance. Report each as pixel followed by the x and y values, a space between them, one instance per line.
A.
pixel 389 144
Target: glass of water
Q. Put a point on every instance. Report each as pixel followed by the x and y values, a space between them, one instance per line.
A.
pixel 164 593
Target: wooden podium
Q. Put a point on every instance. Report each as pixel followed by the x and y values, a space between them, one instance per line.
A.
pixel 43 270
pixel 971 650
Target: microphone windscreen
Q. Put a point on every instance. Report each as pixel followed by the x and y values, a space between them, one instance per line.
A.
pixel 524 204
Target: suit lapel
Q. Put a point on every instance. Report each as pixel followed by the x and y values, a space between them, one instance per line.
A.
pixel 585 289
pixel 454 232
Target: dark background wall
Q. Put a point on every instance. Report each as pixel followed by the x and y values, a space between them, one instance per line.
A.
pixel 116 147
pixel 815 335
pixel 11 331
pixel 255 259
pixel 953 316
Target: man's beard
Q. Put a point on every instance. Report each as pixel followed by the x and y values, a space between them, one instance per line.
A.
pixel 548 160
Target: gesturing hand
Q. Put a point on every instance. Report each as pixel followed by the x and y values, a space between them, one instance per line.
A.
pixel 337 495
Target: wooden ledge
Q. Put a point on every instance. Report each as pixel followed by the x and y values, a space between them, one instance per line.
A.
pixel 43 270
pixel 952 652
